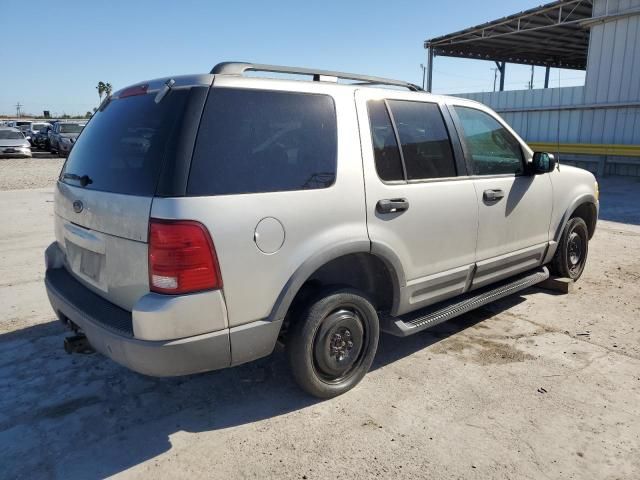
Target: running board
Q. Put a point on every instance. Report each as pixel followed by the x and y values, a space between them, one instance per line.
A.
pixel 424 318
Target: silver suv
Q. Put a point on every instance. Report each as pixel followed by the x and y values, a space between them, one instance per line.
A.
pixel 201 219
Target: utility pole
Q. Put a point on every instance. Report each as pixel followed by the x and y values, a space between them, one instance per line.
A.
pixel 495 77
pixel 19 109
pixel 531 82
pixel 424 71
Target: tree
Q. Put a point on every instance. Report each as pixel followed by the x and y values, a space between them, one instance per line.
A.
pixel 101 89
pixel 108 89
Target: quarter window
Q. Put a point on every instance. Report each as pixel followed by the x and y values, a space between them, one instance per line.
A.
pixel 253 141
pixel 493 149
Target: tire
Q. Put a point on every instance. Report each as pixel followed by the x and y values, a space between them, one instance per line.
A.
pixel 332 345
pixel 571 257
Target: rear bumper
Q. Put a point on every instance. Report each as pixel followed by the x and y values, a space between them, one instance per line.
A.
pixel 108 329
pixel 25 154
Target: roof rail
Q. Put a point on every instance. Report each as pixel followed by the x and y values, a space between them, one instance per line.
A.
pixel 239 68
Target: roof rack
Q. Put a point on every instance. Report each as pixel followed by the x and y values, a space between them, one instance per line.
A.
pixel 239 68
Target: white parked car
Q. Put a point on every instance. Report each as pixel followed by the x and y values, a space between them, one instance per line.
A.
pixel 13 143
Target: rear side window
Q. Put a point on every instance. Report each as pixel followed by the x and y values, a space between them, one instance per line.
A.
pixel 122 148
pixel 253 141
pixel 426 148
pixel 385 146
pixel 493 149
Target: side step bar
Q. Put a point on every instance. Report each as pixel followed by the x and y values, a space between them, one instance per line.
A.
pixel 422 319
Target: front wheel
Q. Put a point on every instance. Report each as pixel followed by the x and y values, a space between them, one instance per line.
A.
pixel 571 257
pixel 332 345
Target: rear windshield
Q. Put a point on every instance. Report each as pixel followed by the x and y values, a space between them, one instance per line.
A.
pixel 122 148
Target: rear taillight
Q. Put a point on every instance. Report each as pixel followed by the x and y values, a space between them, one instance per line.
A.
pixel 182 258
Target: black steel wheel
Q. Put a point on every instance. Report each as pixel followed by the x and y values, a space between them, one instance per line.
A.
pixel 571 257
pixel 332 345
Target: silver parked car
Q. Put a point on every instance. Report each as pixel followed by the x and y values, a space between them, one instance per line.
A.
pixel 63 135
pixel 13 143
pixel 201 219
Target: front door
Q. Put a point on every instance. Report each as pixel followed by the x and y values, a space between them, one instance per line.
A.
pixel 514 207
pixel 420 204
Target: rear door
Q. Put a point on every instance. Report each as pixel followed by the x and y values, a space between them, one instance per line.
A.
pixel 421 204
pixel 514 207
pixel 104 194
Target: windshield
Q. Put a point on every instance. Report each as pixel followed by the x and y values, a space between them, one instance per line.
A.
pixel 10 135
pixel 124 144
pixel 71 128
pixel 38 126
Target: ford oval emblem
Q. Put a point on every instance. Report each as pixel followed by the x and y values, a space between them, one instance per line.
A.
pixel 77 206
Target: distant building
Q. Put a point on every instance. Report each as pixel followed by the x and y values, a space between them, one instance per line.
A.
pixel 596 126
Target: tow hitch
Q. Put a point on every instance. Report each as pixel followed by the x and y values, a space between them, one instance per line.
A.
pixel 78 344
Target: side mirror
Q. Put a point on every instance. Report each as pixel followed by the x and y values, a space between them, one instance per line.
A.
pixel 543 163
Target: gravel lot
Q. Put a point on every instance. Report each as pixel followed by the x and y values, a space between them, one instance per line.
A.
pixel 538 385
pixel 40 171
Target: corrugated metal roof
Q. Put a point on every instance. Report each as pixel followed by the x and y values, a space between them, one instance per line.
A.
pixel 549 35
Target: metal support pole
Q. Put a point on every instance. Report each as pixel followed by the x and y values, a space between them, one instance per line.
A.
pixel 531 82
pixel 546 77
pixel 501 67
pixel 430 71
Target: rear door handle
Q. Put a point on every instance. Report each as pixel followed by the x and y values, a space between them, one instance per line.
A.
pixel 392 205
pixel 493 195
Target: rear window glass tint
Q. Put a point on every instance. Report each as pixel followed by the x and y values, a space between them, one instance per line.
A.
pixel 385 146
pixel 123 146
pixel 253 141
pixel 426 147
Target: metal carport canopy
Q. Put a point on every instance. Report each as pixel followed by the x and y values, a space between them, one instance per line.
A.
pixel 551 35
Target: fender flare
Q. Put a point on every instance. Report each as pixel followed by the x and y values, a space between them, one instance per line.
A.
pixel 313 263
pixel 577 202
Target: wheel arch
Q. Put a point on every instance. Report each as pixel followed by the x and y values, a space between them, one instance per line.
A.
pixel 585 207
pixel 324 264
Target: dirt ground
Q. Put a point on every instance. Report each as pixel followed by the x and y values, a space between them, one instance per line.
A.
pixel 538 385
pixel 19 173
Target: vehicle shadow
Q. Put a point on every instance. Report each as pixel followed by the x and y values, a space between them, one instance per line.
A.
pixel 82 416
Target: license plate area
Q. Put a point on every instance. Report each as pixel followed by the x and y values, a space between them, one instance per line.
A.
pixel 86 264
pixel 90 263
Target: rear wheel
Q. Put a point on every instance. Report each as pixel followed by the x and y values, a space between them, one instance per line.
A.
pixel 332 345
pixel 571 257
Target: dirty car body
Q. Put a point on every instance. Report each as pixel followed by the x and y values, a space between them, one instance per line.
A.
pixel 199 219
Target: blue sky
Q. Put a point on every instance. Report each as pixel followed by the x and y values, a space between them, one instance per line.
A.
pixel 54 54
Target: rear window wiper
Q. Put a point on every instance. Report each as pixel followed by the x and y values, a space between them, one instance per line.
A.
pixel 83 179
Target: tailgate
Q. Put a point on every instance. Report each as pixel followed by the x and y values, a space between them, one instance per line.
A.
pixel 103 236
pixel 104 194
